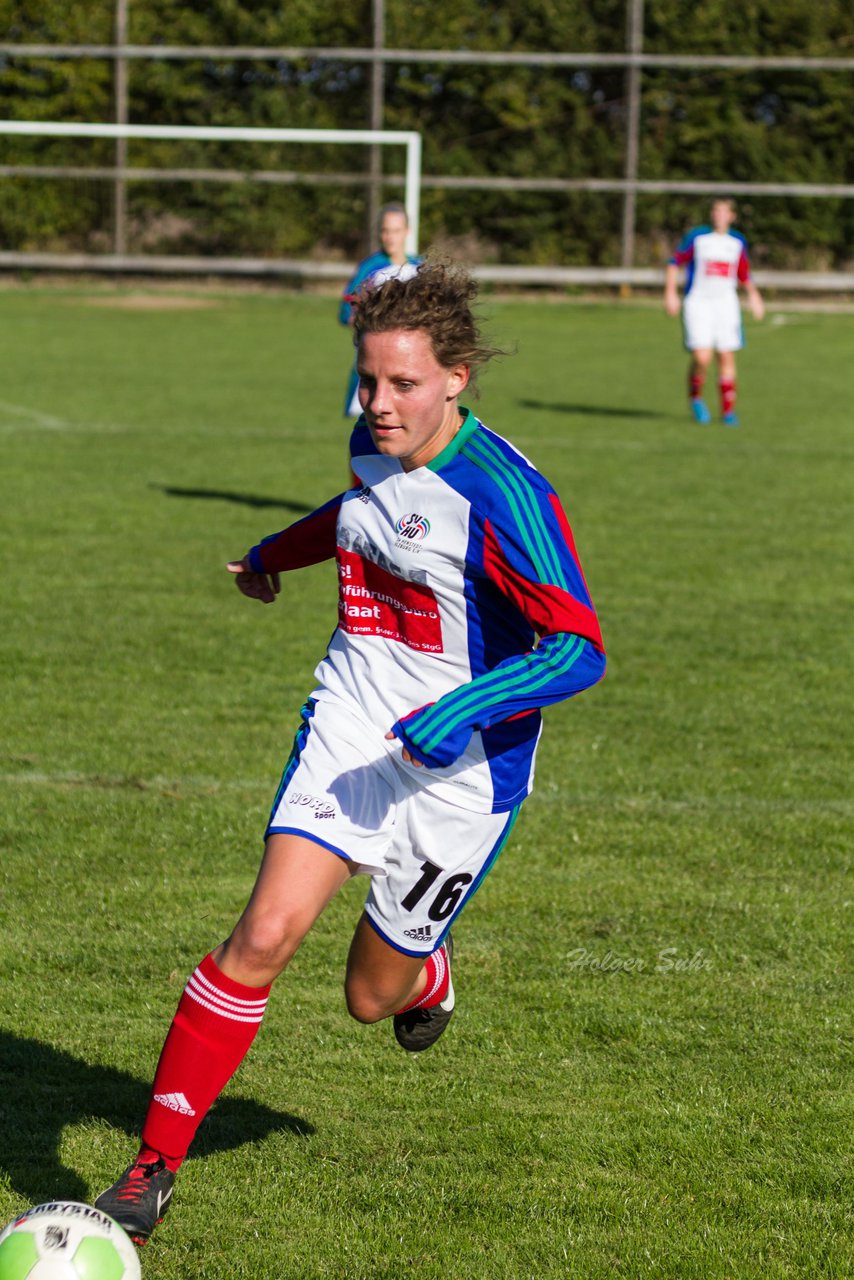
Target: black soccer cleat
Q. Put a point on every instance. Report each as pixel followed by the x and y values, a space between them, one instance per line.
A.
pixel 138 1200
pixel 417 1029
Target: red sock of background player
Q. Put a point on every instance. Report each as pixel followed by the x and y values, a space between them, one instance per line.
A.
pixel 215 1024
pixel 727 390
pixel 696 382
pixel 436 986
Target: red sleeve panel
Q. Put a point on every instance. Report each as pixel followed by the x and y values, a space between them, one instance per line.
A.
pixel 547 608
pixel 309 541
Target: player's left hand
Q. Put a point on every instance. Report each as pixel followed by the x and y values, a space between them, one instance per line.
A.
pixel 257 586
pixel 407 755
pixel 758 309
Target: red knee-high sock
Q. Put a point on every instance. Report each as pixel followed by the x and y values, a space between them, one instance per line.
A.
pixel 696 382
pixel 727 390
pixel 211 1032
pixel 436 987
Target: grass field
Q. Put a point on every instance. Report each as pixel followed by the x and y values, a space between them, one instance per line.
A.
pixel 649 1072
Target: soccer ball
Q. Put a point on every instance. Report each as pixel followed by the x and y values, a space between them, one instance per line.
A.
pixel 66 1241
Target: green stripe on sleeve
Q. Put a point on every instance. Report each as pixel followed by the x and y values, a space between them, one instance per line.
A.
pixel 519 495
pixel 511 679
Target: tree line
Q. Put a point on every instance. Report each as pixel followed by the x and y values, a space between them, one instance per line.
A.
pixel 528 122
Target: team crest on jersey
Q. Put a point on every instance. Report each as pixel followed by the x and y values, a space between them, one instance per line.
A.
pixel 411 529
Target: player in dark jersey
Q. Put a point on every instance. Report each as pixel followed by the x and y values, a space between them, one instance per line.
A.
pixel 462 611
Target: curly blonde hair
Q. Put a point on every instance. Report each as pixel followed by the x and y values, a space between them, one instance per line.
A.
pixel 438 298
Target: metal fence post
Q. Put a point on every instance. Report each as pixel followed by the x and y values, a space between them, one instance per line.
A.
pixel 375 172
pixel 634 41
pixel 120 83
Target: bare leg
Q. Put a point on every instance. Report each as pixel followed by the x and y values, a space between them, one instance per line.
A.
pixel 297 879
pixel 380 980
pixel 701 360
pixel 726 366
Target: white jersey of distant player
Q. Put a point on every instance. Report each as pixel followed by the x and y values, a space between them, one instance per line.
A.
pixel 718 263
pixel 715 264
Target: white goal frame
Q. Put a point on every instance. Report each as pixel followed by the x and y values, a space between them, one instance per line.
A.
pixel 212 133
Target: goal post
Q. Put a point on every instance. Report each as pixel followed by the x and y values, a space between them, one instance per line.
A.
pixel 212 133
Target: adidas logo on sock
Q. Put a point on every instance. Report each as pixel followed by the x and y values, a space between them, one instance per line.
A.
pixel 175 1102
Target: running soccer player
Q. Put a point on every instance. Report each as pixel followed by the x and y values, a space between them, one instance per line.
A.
pixel 391 260
pixel 462 612
pixel 716 263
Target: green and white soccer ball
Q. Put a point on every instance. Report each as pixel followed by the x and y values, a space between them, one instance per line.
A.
pixel 66 1241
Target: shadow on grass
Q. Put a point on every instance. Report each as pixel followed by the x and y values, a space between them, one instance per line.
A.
pixel 590 410
pixel 43 1089
pixel 228 495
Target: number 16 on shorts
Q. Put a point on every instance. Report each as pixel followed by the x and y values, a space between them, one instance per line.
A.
pixel 416 902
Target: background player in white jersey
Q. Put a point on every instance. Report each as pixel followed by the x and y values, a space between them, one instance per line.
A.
pixel 716 263
pixel 462 612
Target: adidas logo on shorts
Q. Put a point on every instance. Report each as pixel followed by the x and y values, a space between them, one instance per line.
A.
pixel 423 933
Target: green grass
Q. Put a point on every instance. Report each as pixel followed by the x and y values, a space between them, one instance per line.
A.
pixel 649 1072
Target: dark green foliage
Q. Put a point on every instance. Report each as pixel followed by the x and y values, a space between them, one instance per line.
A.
pixel 525 122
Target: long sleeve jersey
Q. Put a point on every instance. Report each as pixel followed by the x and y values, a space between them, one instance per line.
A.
pixel 715 262
pixel 463 609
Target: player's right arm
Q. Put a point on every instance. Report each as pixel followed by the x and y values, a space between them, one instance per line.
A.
pixel 308 541
pixel 365 269
pixel 671 290
pixel 683 257
pixel 345 307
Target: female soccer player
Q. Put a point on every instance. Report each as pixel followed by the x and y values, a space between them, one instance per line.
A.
pixel 416 747
pixel 715 259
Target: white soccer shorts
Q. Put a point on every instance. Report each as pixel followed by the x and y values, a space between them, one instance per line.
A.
pixel 712 324
pixel 346 788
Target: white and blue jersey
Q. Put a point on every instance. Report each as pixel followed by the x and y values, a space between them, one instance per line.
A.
pixel 715 262
pixel 462 609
